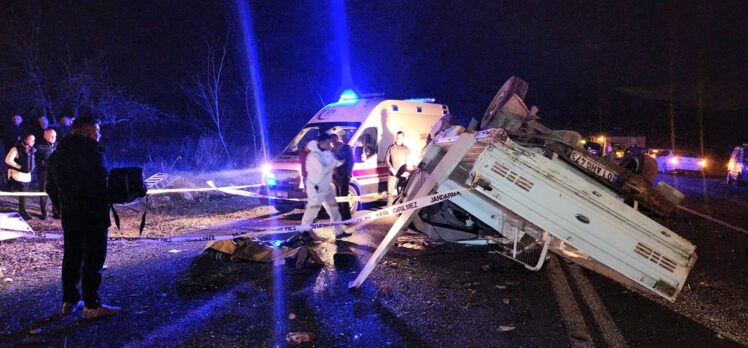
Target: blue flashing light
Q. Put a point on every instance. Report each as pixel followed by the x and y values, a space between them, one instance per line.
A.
pixel 271 180
pixel 348 96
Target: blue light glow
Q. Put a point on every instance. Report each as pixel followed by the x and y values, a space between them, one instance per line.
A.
pixel 348 96
pixel 253 67
pixel 340 27
pixel 271 180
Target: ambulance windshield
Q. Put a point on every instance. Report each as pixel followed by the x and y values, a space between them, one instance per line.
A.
pixel 343 129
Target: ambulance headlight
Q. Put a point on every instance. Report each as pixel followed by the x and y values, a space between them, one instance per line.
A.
pixel 266 168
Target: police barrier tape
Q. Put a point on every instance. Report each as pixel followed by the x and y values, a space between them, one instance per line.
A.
pixel 150 192
pixel 234 190
pixel 389 211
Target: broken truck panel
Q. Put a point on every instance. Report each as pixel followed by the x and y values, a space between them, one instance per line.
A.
pixel 554 196
pixel 521 193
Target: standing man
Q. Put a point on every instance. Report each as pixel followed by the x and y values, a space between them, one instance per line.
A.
pixel 20 162
pixel 320 163
pixel 397 155
pixel 44 148
pixel 12 133
pixel 64 128
pixel 77 185
pixel 42 123
pixel 342 174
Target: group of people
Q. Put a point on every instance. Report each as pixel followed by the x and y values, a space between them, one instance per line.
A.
pixel 327 168
pixel 74 175
pixel 27 150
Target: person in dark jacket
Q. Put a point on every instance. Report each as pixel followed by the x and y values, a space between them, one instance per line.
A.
pixel 37 129
pixel 341 175
pixel 12 132
pixel 20 161
pixel 65 126
pixel 44 148
pixel 77 185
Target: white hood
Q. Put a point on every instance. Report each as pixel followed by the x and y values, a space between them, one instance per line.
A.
pixel 319 165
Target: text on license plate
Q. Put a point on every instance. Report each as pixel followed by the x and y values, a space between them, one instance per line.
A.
pixel 592 166
pixel 281 194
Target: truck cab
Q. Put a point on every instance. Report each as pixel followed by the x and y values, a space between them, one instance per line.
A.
pixel 368 126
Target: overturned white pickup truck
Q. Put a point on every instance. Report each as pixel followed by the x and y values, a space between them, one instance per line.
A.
pixel 533 190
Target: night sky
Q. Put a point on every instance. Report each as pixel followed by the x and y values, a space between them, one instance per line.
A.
pixel 592 66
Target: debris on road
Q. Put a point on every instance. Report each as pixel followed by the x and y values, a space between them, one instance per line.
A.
pixel 300 337
pixel 505 329
pixel 385 289
pixel 248 249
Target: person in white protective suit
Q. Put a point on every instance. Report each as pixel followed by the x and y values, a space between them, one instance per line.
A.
pixel 320 163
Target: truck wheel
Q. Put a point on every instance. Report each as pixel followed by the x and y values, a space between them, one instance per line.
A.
pixel 514 85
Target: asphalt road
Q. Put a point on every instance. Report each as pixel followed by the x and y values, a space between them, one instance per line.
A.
pixel 445 295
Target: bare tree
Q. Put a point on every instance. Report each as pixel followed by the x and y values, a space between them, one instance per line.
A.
pixel 257 152
pixel 27 54
pixel 205 89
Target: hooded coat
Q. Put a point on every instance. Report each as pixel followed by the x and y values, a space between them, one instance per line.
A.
pixel 319 168
pixel 319 190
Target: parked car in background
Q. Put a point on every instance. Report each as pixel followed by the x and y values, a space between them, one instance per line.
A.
pixel 737 170
pixel 670 161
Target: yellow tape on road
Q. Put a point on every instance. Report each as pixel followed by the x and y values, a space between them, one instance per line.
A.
pixel 150 192
pixel 389 211
pixel 371 197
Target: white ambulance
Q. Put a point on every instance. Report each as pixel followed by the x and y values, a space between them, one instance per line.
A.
pixel 369 126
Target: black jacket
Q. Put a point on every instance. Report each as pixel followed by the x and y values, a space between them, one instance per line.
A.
pixel 77 183
pixel 345 155
pixel 25 159
pixel 43 150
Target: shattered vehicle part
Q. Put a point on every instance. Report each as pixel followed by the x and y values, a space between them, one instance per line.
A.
pixel 11 226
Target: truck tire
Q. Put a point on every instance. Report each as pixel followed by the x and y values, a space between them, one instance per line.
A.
pixel 514 85
pixel 648 168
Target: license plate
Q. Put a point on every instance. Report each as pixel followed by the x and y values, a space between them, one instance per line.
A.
pixel 591 165
pixel 281 194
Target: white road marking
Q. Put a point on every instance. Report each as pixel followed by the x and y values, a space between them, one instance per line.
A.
pixel 716 221
pixel 604 321
pixel 579 335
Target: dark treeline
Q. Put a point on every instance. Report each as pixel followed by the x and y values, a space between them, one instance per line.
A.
pixel 593 67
